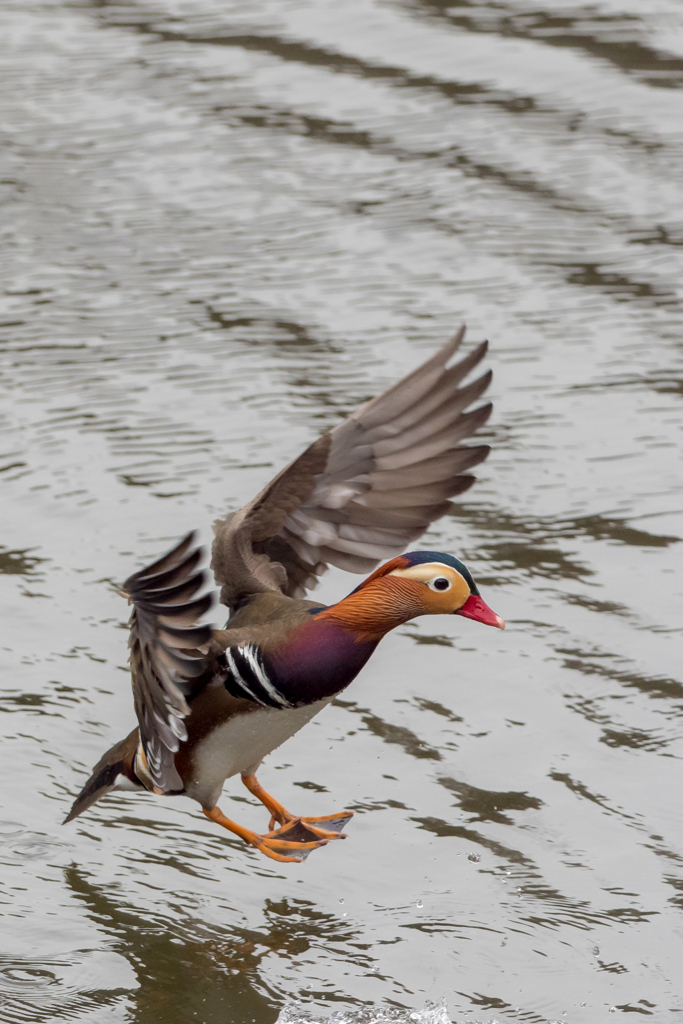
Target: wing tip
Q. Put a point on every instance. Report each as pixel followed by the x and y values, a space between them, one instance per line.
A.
pixel 458 338
pixel 482 413
pixel 172 559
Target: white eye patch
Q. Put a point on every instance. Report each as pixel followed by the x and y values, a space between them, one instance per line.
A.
pixel 429 573
pixel 425 572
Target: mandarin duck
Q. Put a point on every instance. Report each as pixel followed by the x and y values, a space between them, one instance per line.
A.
pixel 212 703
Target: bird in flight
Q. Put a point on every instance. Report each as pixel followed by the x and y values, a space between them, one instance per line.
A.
pixel 212 703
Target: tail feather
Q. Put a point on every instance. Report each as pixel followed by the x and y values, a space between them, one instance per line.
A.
pixel 117 761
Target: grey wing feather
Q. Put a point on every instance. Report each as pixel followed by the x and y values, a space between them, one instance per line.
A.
pixel 364 490
pixel 165 660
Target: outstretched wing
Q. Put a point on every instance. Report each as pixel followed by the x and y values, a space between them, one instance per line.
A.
pixel 165 662
pixel 364 490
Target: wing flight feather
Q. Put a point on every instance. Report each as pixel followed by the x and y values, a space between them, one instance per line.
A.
pixel 165 657
pixel 364 490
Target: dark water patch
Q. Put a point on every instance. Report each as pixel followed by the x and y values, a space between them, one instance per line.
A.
pixel 263 330
pixel 334 132
pixel 559 910
pixel 9 466
pixel 663 851
pixel 389 733
pixel 677 884
pixel 169 956
pixel 344 133
pixel 601 607
pixel 434 639
pixel 549 563
pixel 294 924
pixel 401 736
pixel 613 968
pixel 438 709
pixel 12 701
pixel 634 739
pixel 630 1008
pixel 486 805
pixel 631 915
pixel 457 92
pixel 328 391
pixel 434 926
pixel 17 701
pixel 341 133
pixel 585 663
pixel 661 234
pixel 19 563
pixel 614 38
pixel 591 708
pixel 172 952
pixel 531 556
pixel 616 734
pixel 667 382
pixel 313 786
pixel 580 789
pixel 443 829
pixel 295 51
pixel 605 527
pixel 618 285
pixel 378 805
pixel 650 146
pixel 180 862
pixel 602 527
pixel 484 1002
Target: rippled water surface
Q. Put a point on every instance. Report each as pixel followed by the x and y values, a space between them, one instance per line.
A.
pixel 223 226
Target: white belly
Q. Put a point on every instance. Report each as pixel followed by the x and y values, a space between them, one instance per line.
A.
pixel 240 744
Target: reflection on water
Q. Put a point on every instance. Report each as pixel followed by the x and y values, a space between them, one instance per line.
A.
pixel 224 226
pixel 296 1013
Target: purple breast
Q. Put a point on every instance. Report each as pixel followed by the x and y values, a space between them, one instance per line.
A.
pixel 318 662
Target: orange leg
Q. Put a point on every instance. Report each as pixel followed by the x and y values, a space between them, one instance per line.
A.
pixel 292 843
pixel 326 826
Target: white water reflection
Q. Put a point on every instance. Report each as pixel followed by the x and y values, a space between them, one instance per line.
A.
pixel 296 1013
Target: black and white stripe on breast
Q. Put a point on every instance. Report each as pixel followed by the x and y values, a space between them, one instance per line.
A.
pixel 248 677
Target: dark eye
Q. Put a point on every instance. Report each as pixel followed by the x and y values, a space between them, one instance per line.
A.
pixel 441 583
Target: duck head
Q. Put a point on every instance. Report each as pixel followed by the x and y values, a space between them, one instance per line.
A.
pixel 416 583
pixel 445 586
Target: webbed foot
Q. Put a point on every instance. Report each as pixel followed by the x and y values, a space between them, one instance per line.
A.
pixel 291 843
pixel 326 826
